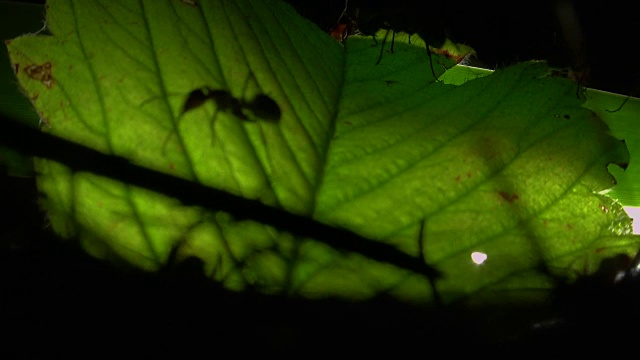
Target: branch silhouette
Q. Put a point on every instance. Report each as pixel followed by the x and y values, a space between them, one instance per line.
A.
pixel 34 142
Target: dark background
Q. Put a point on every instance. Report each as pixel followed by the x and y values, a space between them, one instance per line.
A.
pixel 60 300
pixel 505 32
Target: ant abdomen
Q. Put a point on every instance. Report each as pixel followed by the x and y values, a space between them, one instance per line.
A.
pixel 264 107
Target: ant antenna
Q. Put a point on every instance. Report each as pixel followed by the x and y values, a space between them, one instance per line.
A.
pixel 344 11
pixel 382 46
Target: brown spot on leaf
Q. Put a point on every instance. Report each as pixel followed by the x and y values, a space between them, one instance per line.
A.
pixel 508 197
pixel 461 177
pixel 42 73
pixel 16 68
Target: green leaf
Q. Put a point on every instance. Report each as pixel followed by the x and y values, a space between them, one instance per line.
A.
pixel 620 113
pixel 617 111
pixel 509 165
pixel 16 19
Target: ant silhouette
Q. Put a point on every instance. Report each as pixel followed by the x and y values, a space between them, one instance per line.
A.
pixel 260 107
pixel 367 20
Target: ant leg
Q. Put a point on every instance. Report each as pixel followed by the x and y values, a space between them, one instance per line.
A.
pixel 172 132
pixel 245 87
pixel 382 47
pixel 176 123
pixel 621 105
pixel 632 93
pixel 393 40
pixel 242 103
pixel 196 99
pixel 212 125
pixel 375 42
pixel 431 64
pixel 175 130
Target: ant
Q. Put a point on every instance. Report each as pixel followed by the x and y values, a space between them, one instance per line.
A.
pixel 345 26
pixel 393 18
pixel 260 107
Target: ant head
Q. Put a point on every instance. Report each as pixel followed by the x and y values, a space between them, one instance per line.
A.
pixel 195 99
